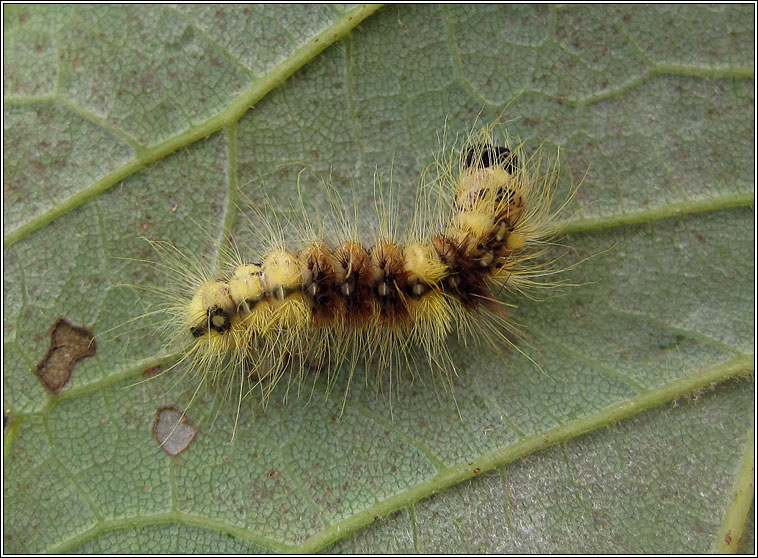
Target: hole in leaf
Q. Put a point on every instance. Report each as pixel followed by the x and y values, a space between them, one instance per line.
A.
pixel 173 430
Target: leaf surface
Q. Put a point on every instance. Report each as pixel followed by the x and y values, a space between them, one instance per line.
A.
pixel 124 122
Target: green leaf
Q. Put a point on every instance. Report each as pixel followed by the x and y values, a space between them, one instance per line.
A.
pixel 130 121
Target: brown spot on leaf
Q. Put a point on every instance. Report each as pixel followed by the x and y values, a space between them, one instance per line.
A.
pixel 173 430
pixel 68 345
pixel 152 371
pixel 728 537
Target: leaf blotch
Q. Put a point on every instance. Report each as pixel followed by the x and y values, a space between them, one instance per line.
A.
pixel 68 345
pixel 152 371
pixel 173 430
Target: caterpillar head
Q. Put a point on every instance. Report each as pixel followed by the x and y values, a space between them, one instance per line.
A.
pixel 210 309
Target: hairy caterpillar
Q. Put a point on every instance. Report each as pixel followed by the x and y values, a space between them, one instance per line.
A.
pixel 482 225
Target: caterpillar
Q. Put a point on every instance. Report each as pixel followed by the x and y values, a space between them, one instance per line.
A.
pixel 483 224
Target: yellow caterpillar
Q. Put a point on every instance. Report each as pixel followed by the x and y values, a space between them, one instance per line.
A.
pixel 329 303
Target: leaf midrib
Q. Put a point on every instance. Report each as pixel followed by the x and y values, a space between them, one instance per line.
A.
pixel 675 209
